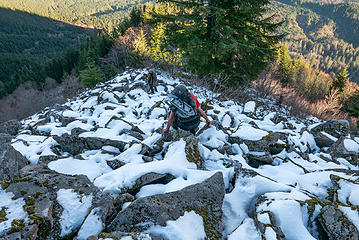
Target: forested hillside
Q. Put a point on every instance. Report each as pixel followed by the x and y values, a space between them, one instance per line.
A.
pixel 27 40
pixel 103 14
pixel 325 33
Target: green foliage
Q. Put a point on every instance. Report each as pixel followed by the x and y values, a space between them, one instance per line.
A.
pixel 322 32
pixel 351 106
pixel 158 41
pixel 91 75
pixel 311 83
pixel 29 42
pixel 340 80
pixel 140 46
pixel 222 36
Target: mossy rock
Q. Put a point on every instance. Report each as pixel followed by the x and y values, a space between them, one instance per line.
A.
pixel 3 217
pixel 206 105
pixel 205 198
pixel 192 152
pixel 17 225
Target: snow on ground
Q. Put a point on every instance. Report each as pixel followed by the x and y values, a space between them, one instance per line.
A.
pixel 13 209
pixel 188 226
pixel 111 110
pixel 75 207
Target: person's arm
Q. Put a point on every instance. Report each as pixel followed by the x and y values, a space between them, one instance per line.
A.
pixel 171 118
pixel 208 122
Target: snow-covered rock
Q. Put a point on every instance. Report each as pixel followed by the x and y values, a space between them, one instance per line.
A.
pixel 100 163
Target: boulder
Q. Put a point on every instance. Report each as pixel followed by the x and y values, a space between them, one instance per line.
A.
pixel 323 139
pixel 115 163
pixel 38 185
pixel 70 143
pixel 335 128
pixel 338 150
pixel 75 145
pixel 205 199
pixel 150 178
pixel 259 159
pixel 336 224
pixel 10 127
pixel 11 161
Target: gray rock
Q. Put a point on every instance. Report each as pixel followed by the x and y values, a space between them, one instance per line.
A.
pixel 70 143
pixel 336 224
pixel 115 164
pixel 336 128
pixel 38 185
pixel 118 203
pixel 338 150
pixel 133 235
pixel 276 148
pixel 11 161
pixel 74 144
pixel 255 160
pixel 150 178
pixel 5 138
pixel 10 127
pixel 205 199
pixel 323 140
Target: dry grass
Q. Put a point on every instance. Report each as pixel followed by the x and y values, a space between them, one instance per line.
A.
pixel 26 100
pixel 328 108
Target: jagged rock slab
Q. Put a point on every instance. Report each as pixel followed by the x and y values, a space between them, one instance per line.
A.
pixel 337 225
pixel 204 198
pixel 11 161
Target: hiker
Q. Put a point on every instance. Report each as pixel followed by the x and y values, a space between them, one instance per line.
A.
pixel 152 80
pixel 185 111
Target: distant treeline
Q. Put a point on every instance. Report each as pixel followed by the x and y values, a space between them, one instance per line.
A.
pixel 100 14
pixel 325 35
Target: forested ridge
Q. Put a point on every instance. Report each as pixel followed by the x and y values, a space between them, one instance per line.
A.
pixel 324 33
pixel 28 41
pixel 100 14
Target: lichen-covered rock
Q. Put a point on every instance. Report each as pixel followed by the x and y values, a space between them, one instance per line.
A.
pixel 38 185
pixel 336 224
pixel 192 151
pixel 205 199
pixel 336 128
pixel 11 161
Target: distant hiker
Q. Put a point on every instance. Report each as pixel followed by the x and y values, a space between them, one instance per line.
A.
pixel 185 110
pixel 152 80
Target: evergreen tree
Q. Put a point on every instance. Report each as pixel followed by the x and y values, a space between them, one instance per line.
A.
pixel 158 41
pixel 140 45
pixel 226 36
pixel 91 75
pixel 351 106
pixel 340 80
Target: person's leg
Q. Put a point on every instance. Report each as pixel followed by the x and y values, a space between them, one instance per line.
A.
pixel 151 88
pixel 174 125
